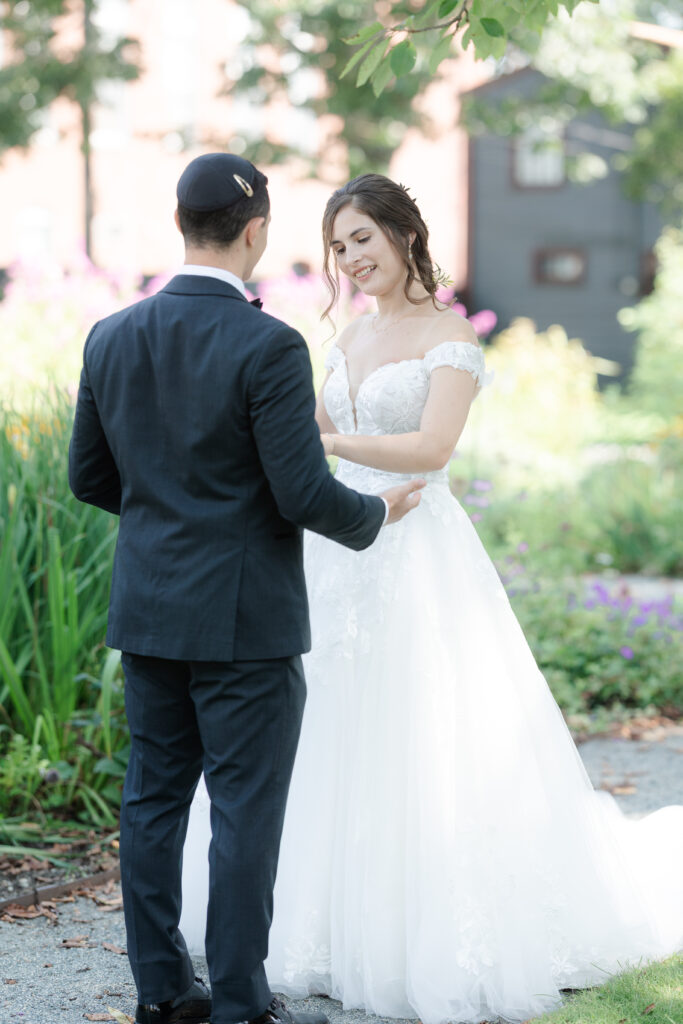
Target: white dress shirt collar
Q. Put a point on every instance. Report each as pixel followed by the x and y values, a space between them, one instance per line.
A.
pixel 196 270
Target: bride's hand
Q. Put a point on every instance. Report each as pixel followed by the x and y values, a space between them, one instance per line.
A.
pixel 328 443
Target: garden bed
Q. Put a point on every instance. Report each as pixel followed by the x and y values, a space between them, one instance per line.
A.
pixel 34 873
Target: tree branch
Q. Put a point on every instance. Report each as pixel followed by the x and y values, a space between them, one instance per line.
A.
pixel 455 20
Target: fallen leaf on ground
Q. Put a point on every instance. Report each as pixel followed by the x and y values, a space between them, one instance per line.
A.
pixel 77 942
pixel 47 965
pixel 15 913
pixel 98 1016
pixel 12 867
pixel 110 904
pixel 619 788
pixel 119 1017
pixel 49 910
pixel 23 913
pixel 650 1008
pixel 10 981
pixel 112 948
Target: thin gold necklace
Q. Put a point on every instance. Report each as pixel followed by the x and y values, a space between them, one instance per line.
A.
pixel 385 327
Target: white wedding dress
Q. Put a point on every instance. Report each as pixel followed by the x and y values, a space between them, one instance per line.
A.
pixel 444 854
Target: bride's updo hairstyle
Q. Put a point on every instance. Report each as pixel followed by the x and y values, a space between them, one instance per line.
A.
pixel 396 213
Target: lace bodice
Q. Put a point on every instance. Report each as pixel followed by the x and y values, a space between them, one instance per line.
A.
pixel 390 400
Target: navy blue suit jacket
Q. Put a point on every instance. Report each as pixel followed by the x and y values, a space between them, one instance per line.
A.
pixel 195 423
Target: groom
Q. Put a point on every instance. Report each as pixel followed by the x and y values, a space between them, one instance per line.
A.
pixel 195 424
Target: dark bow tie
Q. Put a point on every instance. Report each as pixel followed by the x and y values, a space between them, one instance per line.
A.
pixel 257 303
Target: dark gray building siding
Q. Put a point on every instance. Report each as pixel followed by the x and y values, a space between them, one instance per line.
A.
pixel 509 225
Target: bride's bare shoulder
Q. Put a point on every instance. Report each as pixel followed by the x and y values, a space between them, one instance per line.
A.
pixel 351 331
pixel 448 325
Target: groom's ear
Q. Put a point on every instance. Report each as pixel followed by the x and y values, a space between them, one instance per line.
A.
pixel 253 229
pixel 176 218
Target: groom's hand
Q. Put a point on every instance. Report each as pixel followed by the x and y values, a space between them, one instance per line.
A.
pixel 402 499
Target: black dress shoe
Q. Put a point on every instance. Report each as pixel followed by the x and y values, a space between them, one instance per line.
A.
pixel 192 1007
pixel 277 1013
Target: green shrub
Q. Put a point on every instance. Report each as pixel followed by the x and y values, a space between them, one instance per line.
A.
pixel 623 514
pixel 601 649
pixel 655 384
pixel 22 770
pixel 59 687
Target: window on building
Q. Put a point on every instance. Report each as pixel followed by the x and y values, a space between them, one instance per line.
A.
pixel 538 158
pixel 559 266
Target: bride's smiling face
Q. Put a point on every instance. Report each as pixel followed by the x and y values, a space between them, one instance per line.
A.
pixel 364 253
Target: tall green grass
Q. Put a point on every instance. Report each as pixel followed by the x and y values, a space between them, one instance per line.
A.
pixel 60 688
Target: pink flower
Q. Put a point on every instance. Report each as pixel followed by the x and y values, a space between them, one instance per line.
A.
pixel 626 652
pixel 523 547
pixel 476 517
pixel 483 322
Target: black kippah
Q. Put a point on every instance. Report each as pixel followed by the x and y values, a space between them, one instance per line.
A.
pixel 214 181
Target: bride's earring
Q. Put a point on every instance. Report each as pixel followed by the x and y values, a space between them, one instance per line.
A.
pixel 410 250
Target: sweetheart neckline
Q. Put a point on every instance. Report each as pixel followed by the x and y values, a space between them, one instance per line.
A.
pixel 392 362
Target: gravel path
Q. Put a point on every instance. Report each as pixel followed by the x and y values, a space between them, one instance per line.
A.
pixel 43 982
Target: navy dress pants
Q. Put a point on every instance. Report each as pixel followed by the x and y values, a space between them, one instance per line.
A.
pixel 238 722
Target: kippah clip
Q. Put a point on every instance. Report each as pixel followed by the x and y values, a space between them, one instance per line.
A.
pixel 244 185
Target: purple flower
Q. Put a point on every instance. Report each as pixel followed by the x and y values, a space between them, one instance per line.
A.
pixel 481 485
pixel 640 620
pixel 626 652
pixel 476 517
pixel 523 547
pixel 474 499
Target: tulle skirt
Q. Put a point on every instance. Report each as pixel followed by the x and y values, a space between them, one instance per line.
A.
pixel 444 854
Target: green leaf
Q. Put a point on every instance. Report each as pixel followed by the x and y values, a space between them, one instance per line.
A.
pixel 366 33
pixel 403 58
pixel 107 766
pixel 492 27
pixel 381 78
pixel 440 52
pixel 371 62
pixel 447 7
pixel 356 57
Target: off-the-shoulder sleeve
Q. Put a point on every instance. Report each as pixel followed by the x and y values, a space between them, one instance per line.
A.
pixel 461 355
pixel 334 357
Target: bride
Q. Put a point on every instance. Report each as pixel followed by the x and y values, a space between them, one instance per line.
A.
pixel 444 854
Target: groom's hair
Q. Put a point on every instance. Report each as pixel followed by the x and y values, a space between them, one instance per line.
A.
pixel 218 229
